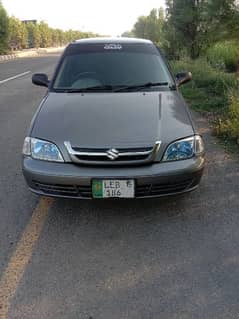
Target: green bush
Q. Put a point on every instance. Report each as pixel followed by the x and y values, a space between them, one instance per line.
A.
pixel 228 125
pixel 209 88
pixel 214 91
pixel 224 56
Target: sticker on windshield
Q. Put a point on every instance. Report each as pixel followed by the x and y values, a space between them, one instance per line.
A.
pixel 113 46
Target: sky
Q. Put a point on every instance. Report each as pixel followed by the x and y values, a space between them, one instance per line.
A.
pixel 106 17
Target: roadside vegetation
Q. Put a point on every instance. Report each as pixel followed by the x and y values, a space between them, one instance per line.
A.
pixel 18 35
pixel 215 93
pixel 202 36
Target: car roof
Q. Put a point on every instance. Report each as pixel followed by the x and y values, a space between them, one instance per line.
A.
pixel 111 40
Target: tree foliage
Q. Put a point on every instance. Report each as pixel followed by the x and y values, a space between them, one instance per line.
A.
pixel 193 25
pixel 34 35
pixel 4 29
pixel 189 27
pixel 151 26
pixel 18 36
pixel 45 35
pixel 186 27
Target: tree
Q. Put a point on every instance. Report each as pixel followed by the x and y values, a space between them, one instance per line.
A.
pixel 18 37
pixel 4 29
pixel 34 35
pixel 16 34
pixel 140 27
pixel 154 26
pixel 45 35
pixel 151 26
pixel 196 24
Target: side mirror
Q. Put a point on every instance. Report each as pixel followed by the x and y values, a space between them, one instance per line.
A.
pixel 40 79
pixel 183 77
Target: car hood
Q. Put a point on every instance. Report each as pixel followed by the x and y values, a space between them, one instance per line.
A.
pixel 101 120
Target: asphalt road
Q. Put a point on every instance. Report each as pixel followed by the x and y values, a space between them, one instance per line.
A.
pixel 165 258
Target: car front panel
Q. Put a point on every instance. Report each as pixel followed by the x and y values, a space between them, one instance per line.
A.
pixel 74 181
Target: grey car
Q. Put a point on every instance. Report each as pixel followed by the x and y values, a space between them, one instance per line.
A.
pixel 112 125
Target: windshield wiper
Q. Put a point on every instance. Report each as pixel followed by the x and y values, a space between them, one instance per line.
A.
pixel 88 89
pixel 115 88
pixel 141 86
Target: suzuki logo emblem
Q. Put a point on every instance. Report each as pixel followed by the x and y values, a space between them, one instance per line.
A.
pixel 112 154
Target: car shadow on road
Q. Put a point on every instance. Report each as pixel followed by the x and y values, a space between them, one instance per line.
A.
pixel 127 208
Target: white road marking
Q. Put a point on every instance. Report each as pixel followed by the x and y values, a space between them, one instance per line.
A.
pixel 15 77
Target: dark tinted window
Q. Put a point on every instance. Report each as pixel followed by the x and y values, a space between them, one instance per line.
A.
pixel 95 65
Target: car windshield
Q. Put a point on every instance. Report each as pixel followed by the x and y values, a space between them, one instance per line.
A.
pixel 98 67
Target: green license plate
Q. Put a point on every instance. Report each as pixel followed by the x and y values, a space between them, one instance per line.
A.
pixel 113 188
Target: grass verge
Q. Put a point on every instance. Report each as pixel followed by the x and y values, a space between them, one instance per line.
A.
pixel 216 94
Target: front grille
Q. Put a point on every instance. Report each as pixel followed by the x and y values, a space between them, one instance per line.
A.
pixel 82 191
pixel 64 190
pixel 162 189
pixel 90 158
pixel 122 150
pixel 105 156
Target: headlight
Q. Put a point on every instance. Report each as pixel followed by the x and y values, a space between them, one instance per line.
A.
pixel 42 150
pixel 183 149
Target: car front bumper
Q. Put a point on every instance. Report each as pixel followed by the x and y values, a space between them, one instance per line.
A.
pixel 74 181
